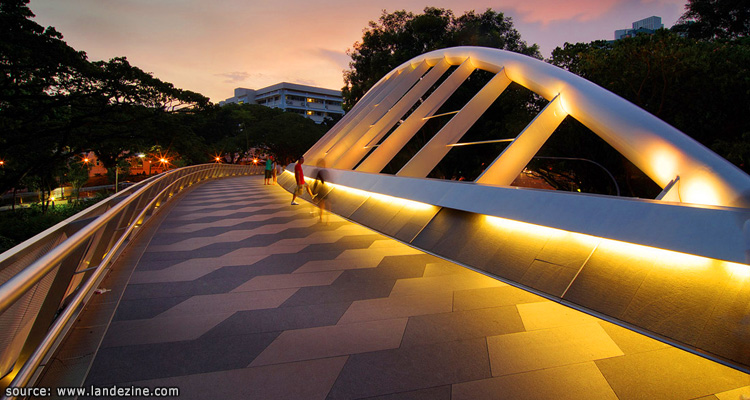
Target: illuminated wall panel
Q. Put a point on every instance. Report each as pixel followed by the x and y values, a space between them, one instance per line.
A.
pixel 394 218
pixel 697 302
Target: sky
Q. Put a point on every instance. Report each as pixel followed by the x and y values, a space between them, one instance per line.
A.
pixel 212 47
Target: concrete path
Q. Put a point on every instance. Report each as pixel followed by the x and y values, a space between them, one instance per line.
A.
pixel 240 295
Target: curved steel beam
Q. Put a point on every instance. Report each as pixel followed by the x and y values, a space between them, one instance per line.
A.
pixel 658 149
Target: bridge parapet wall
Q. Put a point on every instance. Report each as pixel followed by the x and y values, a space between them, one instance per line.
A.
pixel 671 271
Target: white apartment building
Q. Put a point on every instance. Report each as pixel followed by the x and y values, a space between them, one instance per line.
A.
pixel 312 102
pixel 646 25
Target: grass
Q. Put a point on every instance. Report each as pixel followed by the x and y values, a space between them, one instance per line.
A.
pixel 23 223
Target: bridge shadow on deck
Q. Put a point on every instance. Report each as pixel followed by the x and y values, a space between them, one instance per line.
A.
pixel 240 295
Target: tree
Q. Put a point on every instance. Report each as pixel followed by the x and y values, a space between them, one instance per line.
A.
pixel 234 130
pixel 715 19
pixel 77 174
pixel 700 87
pixel 55 104
pixel 400 36
pixel 288 135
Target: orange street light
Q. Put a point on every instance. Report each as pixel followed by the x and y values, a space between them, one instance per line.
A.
pixel 255 161
pixel 218 159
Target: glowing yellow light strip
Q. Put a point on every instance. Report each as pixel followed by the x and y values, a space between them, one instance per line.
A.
pixel 381 197
pixel 736 271
pixel 675 259
pixel 384 198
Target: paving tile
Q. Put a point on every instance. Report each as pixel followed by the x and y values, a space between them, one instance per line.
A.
pixel 301 380
pixel 161 330
pixel 195 268
pixel 228 222
pixel 332 341
pixel 630 341
pixel 356 259
pixel 385 321
pixel 115 365
pixel 437 284
pixel 146 307
pixel 229 302
pixel 363 284
pixel 162 238
pixel 280 319
pixel 340 264
pixel 492 297
pixel 222 280
pixel 268 282
pixel 345 241
pixel 461 325
pixel 382 250
pixel 409 369
pixel 193 215
pixel 397 307
pixel 435 393
pixel 548 314
pixel 574 382
pixel 528 351
pixel 342 290
pixel 442 269
pixel 742 393
pixel 669 373
pixel 232 236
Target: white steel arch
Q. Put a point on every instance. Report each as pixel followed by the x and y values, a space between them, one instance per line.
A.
pixel 687 170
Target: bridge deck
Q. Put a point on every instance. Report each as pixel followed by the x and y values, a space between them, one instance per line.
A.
pixel 240 295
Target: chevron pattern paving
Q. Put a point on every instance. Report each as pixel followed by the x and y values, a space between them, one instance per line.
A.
pixel 240 295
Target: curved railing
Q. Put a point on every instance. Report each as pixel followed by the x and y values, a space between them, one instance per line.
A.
pixel 46 281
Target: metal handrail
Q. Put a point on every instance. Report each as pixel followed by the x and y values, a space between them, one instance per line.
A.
pixel 129 212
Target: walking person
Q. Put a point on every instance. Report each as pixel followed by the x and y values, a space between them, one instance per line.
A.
pixel 274 171
pixel 270 167
pixel 321 190
pixel 299 176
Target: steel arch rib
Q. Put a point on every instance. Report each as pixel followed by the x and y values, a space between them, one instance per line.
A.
pixel 658 149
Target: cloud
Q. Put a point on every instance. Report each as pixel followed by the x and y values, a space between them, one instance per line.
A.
pixel 546 11
pixel 237 77
pixel 336 57
pixel 307 82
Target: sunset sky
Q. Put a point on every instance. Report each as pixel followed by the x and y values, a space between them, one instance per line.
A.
pixel 211 47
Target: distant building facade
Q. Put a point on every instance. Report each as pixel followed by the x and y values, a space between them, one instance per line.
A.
pixel 647 25
pixel 312 102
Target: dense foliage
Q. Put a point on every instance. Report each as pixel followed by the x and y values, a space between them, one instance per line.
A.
pixel 694 77
pixel 400 36
pixel 55 104
pixel 715 19
pixel 701 87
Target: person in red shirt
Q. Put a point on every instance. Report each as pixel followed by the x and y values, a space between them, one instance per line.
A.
pixel 299 176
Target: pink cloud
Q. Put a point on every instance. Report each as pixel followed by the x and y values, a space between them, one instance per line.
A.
pixel 546 11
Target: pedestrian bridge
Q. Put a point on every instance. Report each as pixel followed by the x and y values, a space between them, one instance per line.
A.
pixel 210 281
pixel 230 292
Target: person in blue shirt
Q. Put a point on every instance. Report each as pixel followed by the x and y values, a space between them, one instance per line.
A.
pixel 270 165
